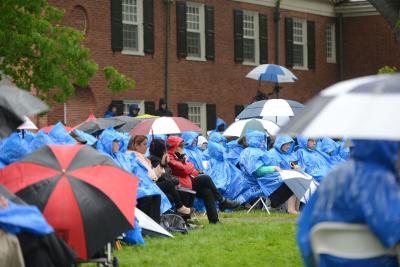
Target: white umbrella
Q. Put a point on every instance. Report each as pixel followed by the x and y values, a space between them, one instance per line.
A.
pixel 301 184
pixel 236 128
pixel 149 226
pixel 276 107
pixel 27 125
pixel 273 73
pixel 362 108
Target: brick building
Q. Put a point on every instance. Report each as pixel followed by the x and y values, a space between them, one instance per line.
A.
pixel 197 53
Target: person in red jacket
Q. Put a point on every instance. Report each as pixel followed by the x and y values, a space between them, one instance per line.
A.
pixel 191 178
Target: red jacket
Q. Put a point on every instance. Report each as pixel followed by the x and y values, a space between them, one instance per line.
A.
pixel 182 170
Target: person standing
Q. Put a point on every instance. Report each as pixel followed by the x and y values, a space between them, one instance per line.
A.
pixel 134 110
pixel 163 109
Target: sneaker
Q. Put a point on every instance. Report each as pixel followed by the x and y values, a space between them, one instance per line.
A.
pixel 228 204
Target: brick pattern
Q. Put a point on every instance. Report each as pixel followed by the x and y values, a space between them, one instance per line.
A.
pixel 220 82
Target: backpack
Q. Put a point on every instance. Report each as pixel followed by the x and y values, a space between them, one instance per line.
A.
pixel 174 223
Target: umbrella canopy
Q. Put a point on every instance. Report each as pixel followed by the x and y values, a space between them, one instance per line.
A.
pixel 14 105
pixel 47 129
pixel 100 124
pixel 273 73
pixel 27 125
pixel 239 128
pixel 130 123
pixel 165 125
pixel 270 108
pixel 87 199
pixel 362 108
pixel 149 226
pixel 91 117
pixel 301 184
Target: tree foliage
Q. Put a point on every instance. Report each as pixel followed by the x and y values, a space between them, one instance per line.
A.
pixel 387 70
pixel 38 52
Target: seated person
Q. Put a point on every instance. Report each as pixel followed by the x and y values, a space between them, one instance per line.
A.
pixel 331 150
pixel 189 177
pixel 363 190
pixel 262 171
pixel 194 154
pixel 313 161
pixel 283 152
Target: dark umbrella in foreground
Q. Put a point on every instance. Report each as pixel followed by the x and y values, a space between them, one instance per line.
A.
pixel 362 108
pixel 87 199
pixel 14 105
pixel 95 126
pixel 130 123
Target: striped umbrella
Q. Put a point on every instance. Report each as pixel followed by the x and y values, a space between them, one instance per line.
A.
pixel 362 108
pixel 164 125
pixel 273 73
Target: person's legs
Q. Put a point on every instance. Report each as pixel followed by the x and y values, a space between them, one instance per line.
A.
pixel 150 205
pixel 205 181
pixel 292 205
pixel 169 189
pixel 280 195
pixel 209 202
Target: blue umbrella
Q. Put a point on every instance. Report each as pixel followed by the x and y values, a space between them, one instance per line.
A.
pixel 273 73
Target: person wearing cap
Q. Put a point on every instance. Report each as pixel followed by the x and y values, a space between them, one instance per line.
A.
pixel 202 142
pixel 134 110
pixel 190 178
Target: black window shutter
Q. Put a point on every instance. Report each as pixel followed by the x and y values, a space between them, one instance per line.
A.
pixel 263 33
pixel 183 110
pixel 209 25
pixel 148 24
pixel 238 35
pixel 116 25
pixel 289 42
pixel 211 110
pixel 119 104
pixel 149 107
pixel 311 44
pixel 238 109
pixel 181 29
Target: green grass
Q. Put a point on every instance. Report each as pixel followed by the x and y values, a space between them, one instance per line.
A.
pixel 254 239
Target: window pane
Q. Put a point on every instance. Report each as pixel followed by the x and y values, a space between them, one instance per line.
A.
pixel 194 114
pixel 249 50
pixel 193 44
pixel 298 32
pixel 248 26
pixel 192 18
pixel 129 11
pixel 330 43
pixel 130 37
pixel 298 57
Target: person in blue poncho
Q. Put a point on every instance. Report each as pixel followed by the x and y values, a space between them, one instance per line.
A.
pixel 363 190
pixel 262 171
pixel 226 177
pixel 331 150
pixel 344 149
pixel 111 111
pixel 13 149
pixel 220 125
pixel 283 151
pixel 235 148
pixel 311 159
pixel 60 136
pixel 218 138
pixel 192 151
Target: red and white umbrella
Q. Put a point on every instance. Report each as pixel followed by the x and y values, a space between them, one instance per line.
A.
pixel 164 125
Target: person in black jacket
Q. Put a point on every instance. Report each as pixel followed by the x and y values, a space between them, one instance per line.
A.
pixel 163 109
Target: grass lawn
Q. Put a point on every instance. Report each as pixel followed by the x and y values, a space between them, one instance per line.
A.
pixel 254 239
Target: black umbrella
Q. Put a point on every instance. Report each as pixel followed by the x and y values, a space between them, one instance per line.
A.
pixel 130 123
pixel 93 127
pixel 9 195
pixel 14 105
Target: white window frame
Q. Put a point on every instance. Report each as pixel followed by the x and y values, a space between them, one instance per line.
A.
pixel 203 113
pixel 201 31
pixel 330 38
pixel 304 43
pixel 139 24
pixel 256 38
pixel 128 102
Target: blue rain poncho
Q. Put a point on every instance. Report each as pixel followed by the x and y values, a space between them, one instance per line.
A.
pixel 226 177
pixel 15 219
pixel 192 151
pixel 313 161
pixel 363 190
pixel 27 135
pixel 41 139
pixel 90 139
pixel 215 137
pixel 13 149
pixel 234 151
pixel 284 158
pixel 344 150
pixel 104 145
pixel 252 158
pixel 218 123
pixel 60 135
pixel 331 150
pixel 147 187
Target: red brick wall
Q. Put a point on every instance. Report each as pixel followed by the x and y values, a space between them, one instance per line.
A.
pixel 221 81
pixel 369 44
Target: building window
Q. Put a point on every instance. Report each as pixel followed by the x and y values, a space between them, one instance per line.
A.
pixel 197 114
pixel 299 43
pixel 195 39
pixel 250 37
pixel 330 43
pixel 132 26
pixel 127 103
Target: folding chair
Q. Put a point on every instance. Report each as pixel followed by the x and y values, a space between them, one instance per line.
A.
pixel 345 240
pixel 264 201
